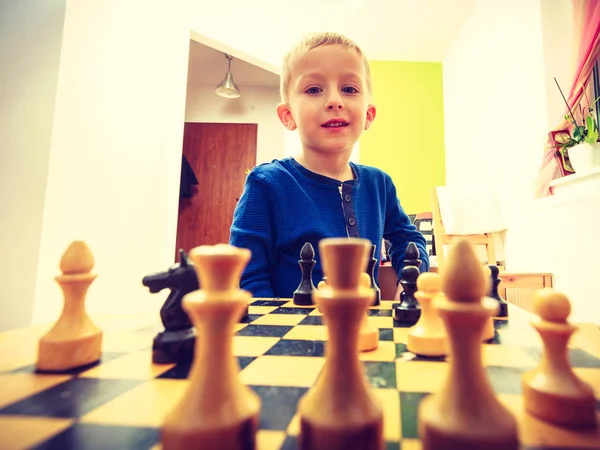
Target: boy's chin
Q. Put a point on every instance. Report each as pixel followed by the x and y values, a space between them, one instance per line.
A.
pixel 333 150
pixel 330 146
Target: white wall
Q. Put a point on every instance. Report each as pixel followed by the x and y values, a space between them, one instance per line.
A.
pixel 261 29
pixel 559 235
pixel 255 105
pixel 559 60
pixel 30 43
pixel 113 174
pixel 494 98
pixel 500 101
pixel 563 227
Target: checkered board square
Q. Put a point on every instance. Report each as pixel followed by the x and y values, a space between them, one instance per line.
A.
pixel 120 403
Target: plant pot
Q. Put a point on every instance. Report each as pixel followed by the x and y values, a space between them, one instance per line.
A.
pixel 584 157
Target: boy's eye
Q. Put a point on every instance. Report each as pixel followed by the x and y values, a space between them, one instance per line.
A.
pixel 350 90
pixel 313 90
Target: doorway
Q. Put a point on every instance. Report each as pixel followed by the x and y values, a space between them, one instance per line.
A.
pixel 219 155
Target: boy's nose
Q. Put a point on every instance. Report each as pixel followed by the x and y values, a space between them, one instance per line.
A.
pixel 334 104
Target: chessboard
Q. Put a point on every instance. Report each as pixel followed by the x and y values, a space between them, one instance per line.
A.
pixel 120 403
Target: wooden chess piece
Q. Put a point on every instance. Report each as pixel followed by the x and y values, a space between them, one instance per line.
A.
pixel 340 411
pixel 368 335
pixel 412 255
pixel 408 311
pixel 489 331
pixel 303 294
pixel 371 271
pixel 74 341
pixel 465 413
pixel 552 391
pixel 217 411
pixel 175 344
pixel 320 285
pixel 428 337
pixel 493 291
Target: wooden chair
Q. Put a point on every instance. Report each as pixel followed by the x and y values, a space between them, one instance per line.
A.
pixel 442 238
pixel 517 288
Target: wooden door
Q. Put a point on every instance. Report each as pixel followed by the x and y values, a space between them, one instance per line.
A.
pixel 219 154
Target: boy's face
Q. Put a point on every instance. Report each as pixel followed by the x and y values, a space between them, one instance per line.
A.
pixel 328 99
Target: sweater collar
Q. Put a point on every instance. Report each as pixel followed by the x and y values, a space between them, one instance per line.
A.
pixel 324 179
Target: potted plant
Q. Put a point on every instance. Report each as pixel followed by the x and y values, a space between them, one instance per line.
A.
pixel 579 147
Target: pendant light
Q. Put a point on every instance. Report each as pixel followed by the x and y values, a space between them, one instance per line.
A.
pixel 227 88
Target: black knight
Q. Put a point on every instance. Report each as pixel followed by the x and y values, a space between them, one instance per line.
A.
pixel 176 343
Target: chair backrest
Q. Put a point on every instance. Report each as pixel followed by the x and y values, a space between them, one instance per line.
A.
pixel 474 215
pixel 469 210
pixel 424 223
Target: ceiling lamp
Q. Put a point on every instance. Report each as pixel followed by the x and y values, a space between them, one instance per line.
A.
pixel 227 88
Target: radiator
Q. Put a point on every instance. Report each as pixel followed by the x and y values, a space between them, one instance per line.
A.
pixel 521 297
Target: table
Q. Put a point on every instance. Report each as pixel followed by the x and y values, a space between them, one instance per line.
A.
pixel 280 347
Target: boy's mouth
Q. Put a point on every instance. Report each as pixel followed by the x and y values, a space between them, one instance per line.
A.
pixel 335 123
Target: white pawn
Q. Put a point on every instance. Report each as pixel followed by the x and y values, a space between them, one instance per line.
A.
pixel 340 411
pixel 552 391
pixel 368 337
pixel 428 336
pixel 465 414
pixel 217 411
pixel 74 340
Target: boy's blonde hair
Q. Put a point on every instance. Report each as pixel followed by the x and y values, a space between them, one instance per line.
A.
pixel 315 40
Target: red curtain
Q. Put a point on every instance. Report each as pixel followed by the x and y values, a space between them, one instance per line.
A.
pixel 586 16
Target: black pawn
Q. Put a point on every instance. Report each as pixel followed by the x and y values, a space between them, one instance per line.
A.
pixel 495 282
pixel 371 272
pixel 408 311
pixel 411 257
pixel 303 294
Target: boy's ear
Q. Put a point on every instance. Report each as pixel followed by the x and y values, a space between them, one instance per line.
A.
pixel 371 113
pixel 285 115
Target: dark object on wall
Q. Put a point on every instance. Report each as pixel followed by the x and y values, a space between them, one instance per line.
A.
pixel 188 179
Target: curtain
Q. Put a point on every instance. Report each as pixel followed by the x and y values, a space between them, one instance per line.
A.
pixel 586 20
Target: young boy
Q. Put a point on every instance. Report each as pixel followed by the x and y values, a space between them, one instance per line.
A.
pixel 325 95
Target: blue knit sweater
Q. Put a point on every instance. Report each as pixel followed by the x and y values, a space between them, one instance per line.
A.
pixel 284 205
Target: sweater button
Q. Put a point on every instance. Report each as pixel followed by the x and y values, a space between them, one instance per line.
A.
pixel 351 221
pixel 347 197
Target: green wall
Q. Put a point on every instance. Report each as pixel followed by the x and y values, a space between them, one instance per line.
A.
pixel 407 137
